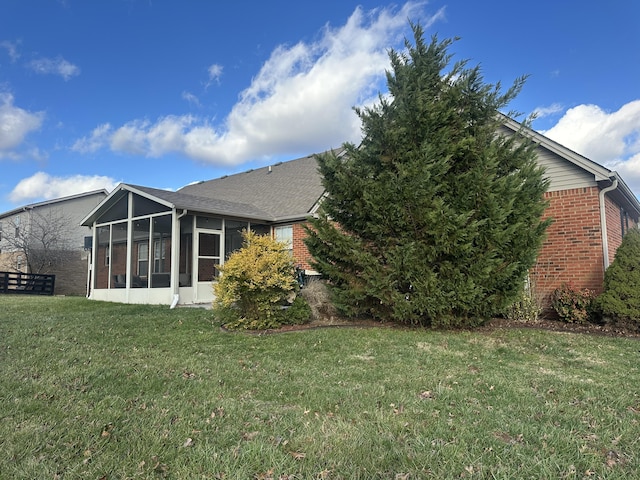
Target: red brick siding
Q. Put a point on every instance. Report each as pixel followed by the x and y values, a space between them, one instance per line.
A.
pixel 572 251
pixel 300 252
pixel 614 227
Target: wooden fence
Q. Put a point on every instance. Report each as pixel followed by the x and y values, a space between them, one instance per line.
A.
pixel 27 283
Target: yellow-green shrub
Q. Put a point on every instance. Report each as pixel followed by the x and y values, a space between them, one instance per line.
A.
pixel 256 282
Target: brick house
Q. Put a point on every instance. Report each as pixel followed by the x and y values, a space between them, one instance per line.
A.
pixel 157 246
pixel 53 225
pixel 161 247
pixel 592 208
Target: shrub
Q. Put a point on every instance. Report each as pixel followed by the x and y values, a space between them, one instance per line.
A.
pixel 256 285
pixel 525 308
pixel 298 313
pixel 620 301
pixel 573 305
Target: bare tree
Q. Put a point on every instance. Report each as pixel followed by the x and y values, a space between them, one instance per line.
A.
pixel 42 238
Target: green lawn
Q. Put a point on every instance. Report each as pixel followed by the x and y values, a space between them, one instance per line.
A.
pixel 97 390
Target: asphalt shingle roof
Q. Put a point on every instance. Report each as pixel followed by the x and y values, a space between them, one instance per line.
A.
pixel 283 190
pixel 203 204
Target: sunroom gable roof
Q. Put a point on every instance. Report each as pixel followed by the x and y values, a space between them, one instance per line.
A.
pixel 177 201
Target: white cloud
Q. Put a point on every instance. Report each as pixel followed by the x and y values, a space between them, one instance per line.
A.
pixel 94 142
pixel 215 72
pixel 300 100
pixel 43 186
pixel 54 66
pixel 191 98
pixel 15 124
pixel 552 109
pixel 12 49
pixel 153 140
pixel 609 138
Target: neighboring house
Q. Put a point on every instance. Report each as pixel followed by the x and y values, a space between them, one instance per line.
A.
pixel 162 247
pixel 46 237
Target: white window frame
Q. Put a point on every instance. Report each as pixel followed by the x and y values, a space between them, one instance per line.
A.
pixel 159 254
pixel 143 258
pixel 284 234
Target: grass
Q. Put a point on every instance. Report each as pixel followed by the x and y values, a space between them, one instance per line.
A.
pixel 106 391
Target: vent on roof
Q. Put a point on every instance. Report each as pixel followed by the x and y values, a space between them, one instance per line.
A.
pixel 269 171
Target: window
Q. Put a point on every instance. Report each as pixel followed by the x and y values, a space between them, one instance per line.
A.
pixel 209 223
pixel 624 221
pixel 118 254
pixel 119 211
pixel 0 231
pixel 186 241
pixel 260 229
pixel 140 253
pixel 161 234
pixel 143 206
pixel 285 234
pixel 208 256
pixel 233 236
pixel 143 259
pixel 19 263
pixel 103 236
pixel 17 222
pixel 159 247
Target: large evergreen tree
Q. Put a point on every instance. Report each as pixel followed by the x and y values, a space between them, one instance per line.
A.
pixel 434 218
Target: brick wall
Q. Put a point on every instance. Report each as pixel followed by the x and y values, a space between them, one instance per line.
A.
pixel 71 276
pixel 572 251
pixel 615 221
pixel 300 252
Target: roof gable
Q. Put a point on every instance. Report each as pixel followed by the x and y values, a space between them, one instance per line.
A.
pixel 582 166
pixel 54 201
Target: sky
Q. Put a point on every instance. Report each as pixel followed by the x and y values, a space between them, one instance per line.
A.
pixel 163 93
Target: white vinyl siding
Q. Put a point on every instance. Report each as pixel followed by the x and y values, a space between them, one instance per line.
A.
pixel 563 174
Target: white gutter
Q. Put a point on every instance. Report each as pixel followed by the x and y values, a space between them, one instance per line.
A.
pixel 603 221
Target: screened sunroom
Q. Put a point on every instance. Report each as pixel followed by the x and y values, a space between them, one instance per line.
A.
pixel 160 247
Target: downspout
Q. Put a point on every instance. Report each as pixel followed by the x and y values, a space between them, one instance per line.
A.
pixel 174 271
pixel 603 221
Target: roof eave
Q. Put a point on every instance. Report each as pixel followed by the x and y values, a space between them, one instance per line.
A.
pixel 629 197
pixel 599 172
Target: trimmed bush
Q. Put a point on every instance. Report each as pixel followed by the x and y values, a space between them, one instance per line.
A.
pixel 257 289
pixel 620 301
pixel 573 305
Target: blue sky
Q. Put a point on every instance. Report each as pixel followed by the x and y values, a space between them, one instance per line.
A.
pixel 165 93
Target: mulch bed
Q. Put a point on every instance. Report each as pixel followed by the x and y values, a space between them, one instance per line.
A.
pixel 608 330
pixel 494 324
